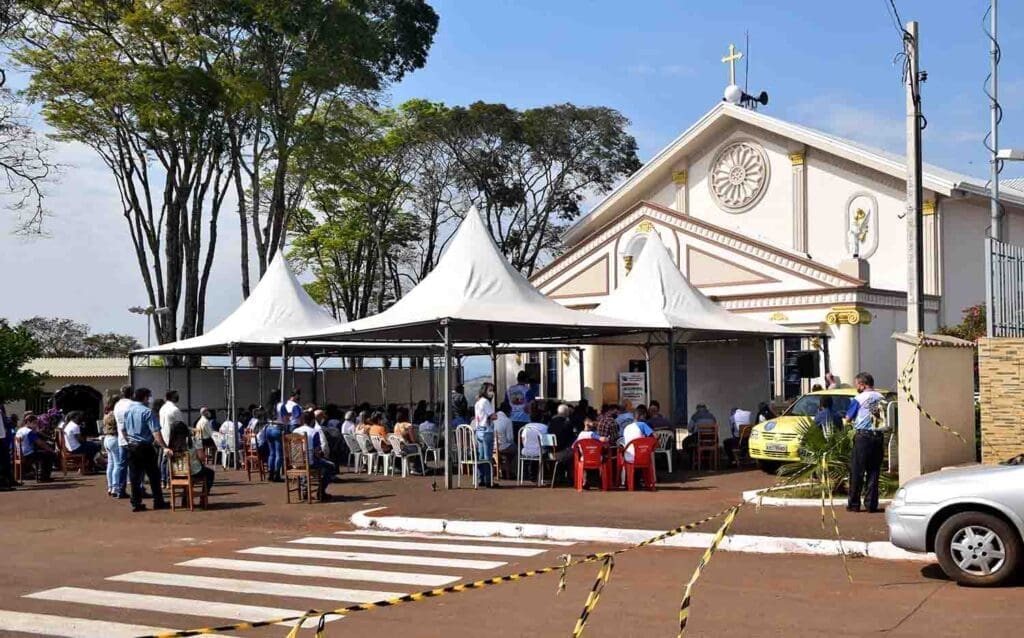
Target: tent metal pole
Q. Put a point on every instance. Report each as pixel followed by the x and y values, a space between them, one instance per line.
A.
pixel 355 385
pixel 447 406
pixel 495 469
pixel 315 370
pixel 825 354
pixel 383 390
pixel 232 409
pixel 412 378
pixel 188 389
pixel 647 373
pixel 284 373
pixel 131 371
pixel 582 380
pixel 673 408
pixel 432 381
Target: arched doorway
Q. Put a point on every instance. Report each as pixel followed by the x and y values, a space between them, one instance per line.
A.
pixel 84 398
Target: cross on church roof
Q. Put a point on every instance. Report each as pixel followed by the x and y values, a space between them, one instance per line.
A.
pixel 731 60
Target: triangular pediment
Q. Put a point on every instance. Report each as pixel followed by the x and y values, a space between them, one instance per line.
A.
pixel 715 259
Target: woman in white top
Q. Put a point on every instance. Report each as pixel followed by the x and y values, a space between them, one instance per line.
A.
pixel 484 424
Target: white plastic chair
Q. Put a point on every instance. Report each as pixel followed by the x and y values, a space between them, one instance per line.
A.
pixel 665 440
pixel 431 446
pixel 224 451
pixel 366 451
pixel 535 434
pixel 465 445
pixel 404 451
pixel 355 453
pixel 386 456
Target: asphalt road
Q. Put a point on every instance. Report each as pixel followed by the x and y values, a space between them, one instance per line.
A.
pixel 73 554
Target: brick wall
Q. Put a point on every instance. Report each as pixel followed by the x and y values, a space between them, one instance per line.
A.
pixel 1001 372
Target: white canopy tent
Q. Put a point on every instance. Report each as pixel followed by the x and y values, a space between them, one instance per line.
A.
pixel 474 295
pixel 657 290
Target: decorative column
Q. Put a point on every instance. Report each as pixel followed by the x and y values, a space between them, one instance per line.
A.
pixel 799 201
pixel 682 200
pixel 845 355
pixel 931 247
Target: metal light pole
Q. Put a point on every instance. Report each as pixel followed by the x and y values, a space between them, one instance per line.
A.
pixel 915 234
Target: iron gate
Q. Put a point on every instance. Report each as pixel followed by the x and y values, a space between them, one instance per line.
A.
pixel 1004 289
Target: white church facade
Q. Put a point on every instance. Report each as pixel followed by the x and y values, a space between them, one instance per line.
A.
pixel 783 223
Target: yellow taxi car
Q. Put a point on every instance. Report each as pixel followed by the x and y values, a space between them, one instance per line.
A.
pixel 777 440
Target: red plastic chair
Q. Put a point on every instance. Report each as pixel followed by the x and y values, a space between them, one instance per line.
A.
pixel 643 459
pixel 588 454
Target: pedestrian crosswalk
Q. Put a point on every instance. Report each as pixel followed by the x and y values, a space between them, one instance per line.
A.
pixel 265 582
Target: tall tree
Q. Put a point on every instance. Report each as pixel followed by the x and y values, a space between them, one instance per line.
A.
pixel 132 81
pixel 59 337
pixel 286 63
pixel 16 349
pixel 529 171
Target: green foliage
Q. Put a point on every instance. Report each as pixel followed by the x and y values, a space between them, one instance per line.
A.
pixel 58 337
pixel 836 448
pixel 972 325
pixel 16 349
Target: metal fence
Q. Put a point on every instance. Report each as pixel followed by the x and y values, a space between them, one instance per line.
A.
pixel 1004 289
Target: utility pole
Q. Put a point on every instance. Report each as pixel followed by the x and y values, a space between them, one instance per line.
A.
pixel 915 243
pixel 997 212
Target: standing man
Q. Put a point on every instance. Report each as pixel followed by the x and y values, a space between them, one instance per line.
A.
pixel 459 404
pixel 519 397
pixel 169 415
pixel 142 431
pixel 867 444
pixel 290 412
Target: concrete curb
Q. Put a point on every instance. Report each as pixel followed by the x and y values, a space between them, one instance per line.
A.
pixel 752 496
pixel 689 540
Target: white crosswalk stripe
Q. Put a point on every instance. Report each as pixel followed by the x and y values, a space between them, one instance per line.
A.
pixel 321 571
pixel 449 554
pixel 394 559
pixel 450 537
pixel 268 588
pixel 448 548
pixel 163 604
pixel 66 627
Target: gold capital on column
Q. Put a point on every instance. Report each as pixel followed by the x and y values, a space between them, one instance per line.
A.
pixel 797 159
pixel 679 177
pixel 848 315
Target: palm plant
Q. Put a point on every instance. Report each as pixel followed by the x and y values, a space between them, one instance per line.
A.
pixel 827 453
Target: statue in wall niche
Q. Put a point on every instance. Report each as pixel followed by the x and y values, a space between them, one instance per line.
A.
pixel 857 232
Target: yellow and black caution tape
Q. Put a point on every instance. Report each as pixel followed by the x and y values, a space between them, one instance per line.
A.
pixel 684 606
pixel 826 486
pixel 904 380
pixel 603 575
pixel 451 589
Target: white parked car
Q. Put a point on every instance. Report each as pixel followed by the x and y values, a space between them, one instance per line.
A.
pixel 972 518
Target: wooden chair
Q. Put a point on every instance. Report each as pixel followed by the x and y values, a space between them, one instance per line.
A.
pixel 19 462
pixel 299 475
pixel 68 460
pixel 182 481
pixel 252 460
pixel 707 445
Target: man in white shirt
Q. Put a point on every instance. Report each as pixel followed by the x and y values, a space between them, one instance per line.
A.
pixel 505 434
pixel 349 425
pixel 74 441
pixel 120 408
pixel 635 430
pixel 320 418
pixel 169 414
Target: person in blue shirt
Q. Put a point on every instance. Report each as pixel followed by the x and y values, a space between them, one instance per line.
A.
pixel 868 448
pixel 144 444
pixel 290 411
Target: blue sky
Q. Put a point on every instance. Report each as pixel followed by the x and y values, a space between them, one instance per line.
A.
pixel 825 64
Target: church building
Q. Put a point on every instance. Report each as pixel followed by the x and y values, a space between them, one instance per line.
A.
pixel 784 223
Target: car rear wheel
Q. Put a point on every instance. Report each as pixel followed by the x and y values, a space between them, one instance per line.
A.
pixel 769 467
pixel 978 549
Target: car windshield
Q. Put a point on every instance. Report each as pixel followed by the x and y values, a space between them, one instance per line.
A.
pixel 809 404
